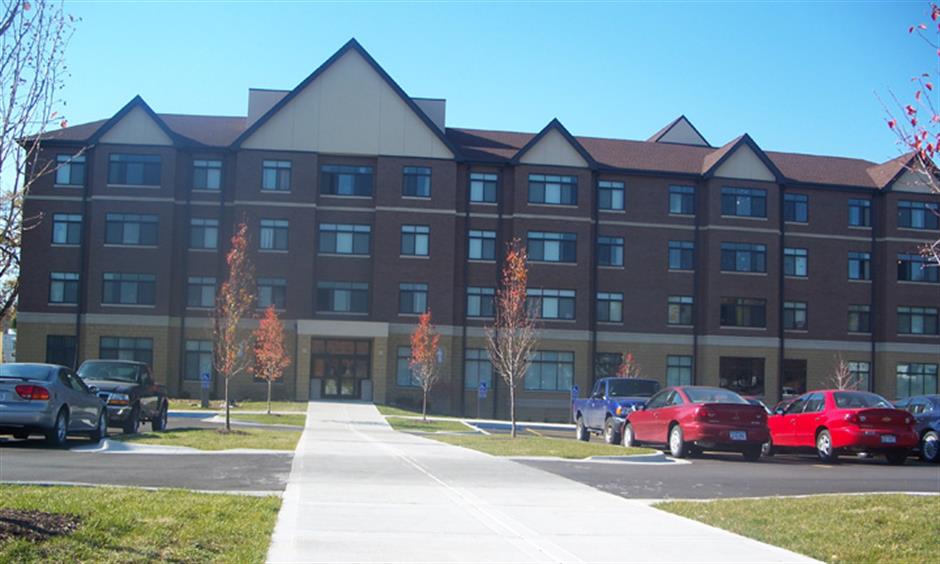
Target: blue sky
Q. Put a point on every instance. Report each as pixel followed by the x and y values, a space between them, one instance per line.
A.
pixel 797 76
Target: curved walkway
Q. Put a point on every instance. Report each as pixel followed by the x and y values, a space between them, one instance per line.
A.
pixel 361 492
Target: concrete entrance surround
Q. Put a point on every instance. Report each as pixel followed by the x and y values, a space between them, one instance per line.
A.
pixel 361 492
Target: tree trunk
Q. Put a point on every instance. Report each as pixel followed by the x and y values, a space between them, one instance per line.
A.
pixel 512 409
pixel 424 404
pixel 269 397
pixel 228 424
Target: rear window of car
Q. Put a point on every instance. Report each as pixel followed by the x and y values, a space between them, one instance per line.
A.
pixel 113 371
pixel 713 395
pixel 31 371
pixel 626 387
pixel 856 400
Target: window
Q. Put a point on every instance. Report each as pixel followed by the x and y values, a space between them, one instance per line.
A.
pixel 681 255
pixel 482 245
pixel 860 213
pixel 203 233
pixel 553 247
pixel 272 292
pixel 610 307
pixel 743 257
pixel 70 170
pixel 477 369
pixel 60 349
pixel 555 190
pixel 275 176
pixel 66 228
pixel 860 373
pixel 273 235
pixel 200 291
pixel 859 318
pixel 412 298
pixel 917 320
pixel 743 312
pixel 344 180
pixel 403 375
pixel 483 187
pixel 916 268
pixel 550 371
pixel 343 297
pixel 129 289
pixel 207 175
pixel 918 215
pixel 914 379
pixel 794 315
pixel 414 240
pixel 794 376
pixel 345 239
pixel 682 200
pixel 678 370
pixel 609 195
pixel 679 310
pixel 744 202
pixel 198 359
pixel 131 229
pixel 127 348
pixel 416 182
pixel 859 266
pixel 134 170
pixel 610 251
pixel 63 288
pixel 796 208
pixel 551 304
pixel 481 302
pixel 607 364
pixel 742 375
pixel 794 262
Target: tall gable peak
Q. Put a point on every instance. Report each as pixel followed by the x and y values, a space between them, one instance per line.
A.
pixel 741 159
pixel 680 131
pixel 136 124
pixel 554 146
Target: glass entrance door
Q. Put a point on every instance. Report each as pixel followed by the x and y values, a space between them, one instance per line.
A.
pixel 341 366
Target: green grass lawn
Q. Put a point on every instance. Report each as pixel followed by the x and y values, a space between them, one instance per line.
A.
pixel 218 405
pixel 298 419
pixel 213 439
pixel 392 410
pixel 133 525
pixel 403 424
pixel 856 528
pixel 527 445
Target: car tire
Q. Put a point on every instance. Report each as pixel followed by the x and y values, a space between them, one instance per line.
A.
pixel 58 435
pixel 158 423
pixel 753 454
pixel 132 425
pixel 896 457
pixel 824 449
pixel 101 431
pixel 677 446
pixel 628 440
pixel 930 447
pixel 611 435
pixel 580 431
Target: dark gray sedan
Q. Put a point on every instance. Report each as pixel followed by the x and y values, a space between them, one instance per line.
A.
pixel 51 400
pixel 926 412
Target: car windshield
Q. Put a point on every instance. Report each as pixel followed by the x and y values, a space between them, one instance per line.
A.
pixel 713 395
pixel 30 371
pixel 625 387
pixel 856 400
pixel 114 371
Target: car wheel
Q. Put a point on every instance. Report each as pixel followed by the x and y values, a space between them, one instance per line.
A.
pixel 824 447
pixel 611 436
pixel 101 431
pixel 132 425
pixel 896 457
pixel 767 449
pixel 930 447
pixel 159 422
pixel 677 446
pixel 56 436
pixel 581 433
pixel 752 454
pixel 628 440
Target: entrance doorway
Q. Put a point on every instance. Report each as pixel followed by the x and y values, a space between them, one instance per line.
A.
pixel 341 366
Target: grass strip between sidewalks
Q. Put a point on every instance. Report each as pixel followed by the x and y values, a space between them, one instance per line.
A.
pixel 430 426
pixel 298 419
pixel 832 528
pixel 526 445
pixel 215 439
pixel 218 405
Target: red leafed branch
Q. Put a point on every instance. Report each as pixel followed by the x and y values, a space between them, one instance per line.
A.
pixel 425 342
pixel 629 368
pixel 271 358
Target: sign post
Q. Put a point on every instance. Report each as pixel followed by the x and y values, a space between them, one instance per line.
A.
pixel 575 390
pixel 205 380
pixel 481 395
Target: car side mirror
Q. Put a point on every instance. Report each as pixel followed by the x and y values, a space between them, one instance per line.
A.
pixel 93 389
pixel 778 411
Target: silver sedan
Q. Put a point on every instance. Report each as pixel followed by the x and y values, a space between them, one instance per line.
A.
pixel 51 400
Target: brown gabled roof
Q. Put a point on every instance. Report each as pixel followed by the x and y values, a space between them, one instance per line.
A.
pixel 885 173
pixel 215 131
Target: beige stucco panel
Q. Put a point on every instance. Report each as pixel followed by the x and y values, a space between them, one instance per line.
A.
pixel 349 109
pixel 136 128
pixel 553 149
pixel 683 132
pixel 746 165
pixel 912 181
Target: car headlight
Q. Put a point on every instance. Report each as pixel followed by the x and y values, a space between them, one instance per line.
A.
pixel 119 399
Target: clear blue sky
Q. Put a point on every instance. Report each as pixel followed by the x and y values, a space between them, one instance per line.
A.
pixel 797 76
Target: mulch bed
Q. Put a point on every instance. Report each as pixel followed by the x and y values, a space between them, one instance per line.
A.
pixel 35 525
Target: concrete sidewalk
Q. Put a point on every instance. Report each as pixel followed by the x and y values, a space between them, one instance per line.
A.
pixel 361 492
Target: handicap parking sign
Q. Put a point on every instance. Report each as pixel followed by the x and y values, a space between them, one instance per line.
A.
pixel 206 379
pixel 575 390
pixel 481 393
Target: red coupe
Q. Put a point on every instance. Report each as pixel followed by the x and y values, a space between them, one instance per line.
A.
pixel 690 419
pixel 836 421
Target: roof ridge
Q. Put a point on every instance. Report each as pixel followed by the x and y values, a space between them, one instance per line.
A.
pixel 199 115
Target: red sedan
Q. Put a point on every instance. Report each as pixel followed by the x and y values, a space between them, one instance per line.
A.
pixel 836 421
pixel 690 419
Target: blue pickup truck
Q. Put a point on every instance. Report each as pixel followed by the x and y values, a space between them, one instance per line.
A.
pixel 610 401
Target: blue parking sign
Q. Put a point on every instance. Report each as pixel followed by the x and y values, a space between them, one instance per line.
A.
pixel 481 393
pixel 206 379
pixel 575 390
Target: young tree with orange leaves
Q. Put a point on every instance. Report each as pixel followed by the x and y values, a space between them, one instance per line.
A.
pixel 270 353
pixel 425 341
pixel 233 303
pixel 514 335
pixel 629 368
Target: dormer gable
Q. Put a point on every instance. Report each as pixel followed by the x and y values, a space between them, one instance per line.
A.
pixel 135 124
pixel 741 159
pixel 681 132
pixel 554 146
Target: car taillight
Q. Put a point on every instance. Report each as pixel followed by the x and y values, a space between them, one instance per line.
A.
pixel 703 413
pixel 853 418
pixel 29 392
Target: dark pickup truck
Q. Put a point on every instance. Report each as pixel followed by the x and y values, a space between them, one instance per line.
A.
pixel 604 411
pixel 128 389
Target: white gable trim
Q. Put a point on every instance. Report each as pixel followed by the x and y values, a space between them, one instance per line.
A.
pixel 136 128
pixel 553 149
pixel 744 164
pixel 683 132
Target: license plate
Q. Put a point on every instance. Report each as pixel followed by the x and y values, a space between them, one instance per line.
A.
pixel 738 436
pixel 889 439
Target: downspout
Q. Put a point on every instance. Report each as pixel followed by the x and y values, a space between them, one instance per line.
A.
pixel 700 197
pixel 187 215
pixel 592 275
pixel 500 228
pixel 874 274
pixel 780 280
pixel 462 367
pixel 83 266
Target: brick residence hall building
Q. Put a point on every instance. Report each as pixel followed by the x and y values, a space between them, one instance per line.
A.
pixel 726 265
